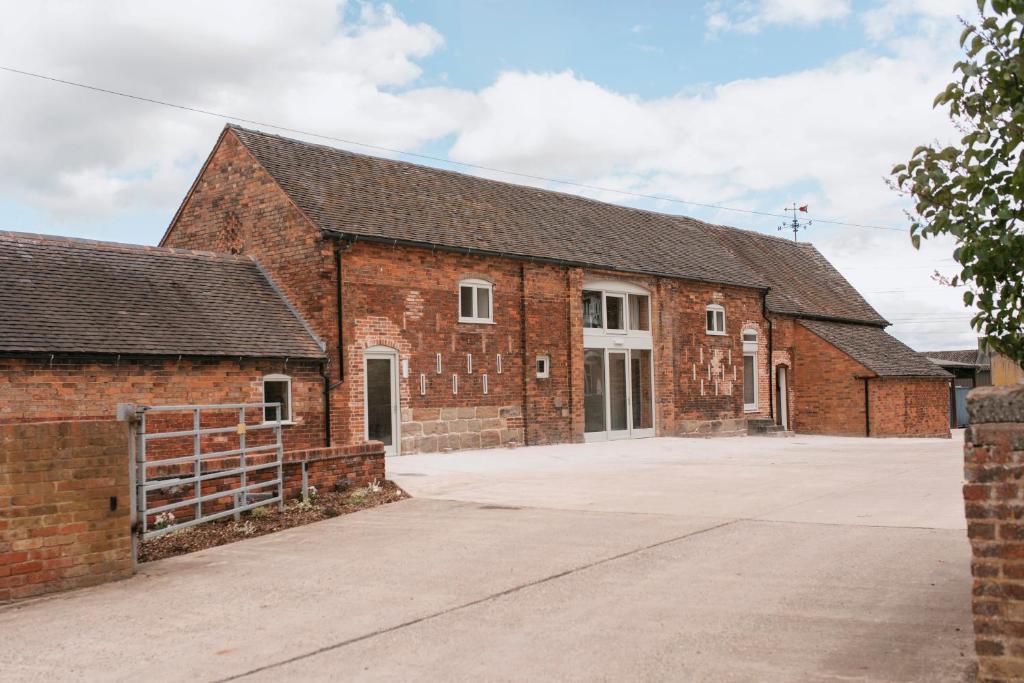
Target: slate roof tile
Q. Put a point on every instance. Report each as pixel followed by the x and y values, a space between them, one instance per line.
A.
pixel 376 198
pixel 875 349
pixel 64 295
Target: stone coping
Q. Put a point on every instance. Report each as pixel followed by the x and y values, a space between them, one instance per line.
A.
pixel 996 404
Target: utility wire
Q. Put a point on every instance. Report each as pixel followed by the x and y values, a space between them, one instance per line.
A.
pixel 429 157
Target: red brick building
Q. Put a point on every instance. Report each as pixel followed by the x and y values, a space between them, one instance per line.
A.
pixel 441 311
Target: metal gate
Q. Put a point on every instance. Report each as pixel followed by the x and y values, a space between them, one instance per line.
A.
pixel 205 484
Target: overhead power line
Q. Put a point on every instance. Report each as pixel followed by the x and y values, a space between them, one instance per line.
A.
pixel 418 155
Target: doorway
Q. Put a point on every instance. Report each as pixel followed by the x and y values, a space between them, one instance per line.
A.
pixel 381 402
pixel 781 386
pixel 617 394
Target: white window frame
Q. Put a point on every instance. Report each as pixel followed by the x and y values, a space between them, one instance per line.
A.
pixel 546 372
pixel 286 417
pixel 612 288
pixel 717 308
pixel 476 286
pixel 624 311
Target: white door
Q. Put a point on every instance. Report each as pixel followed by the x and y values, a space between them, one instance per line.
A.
pixel 618 394
pixel 783 393
pixel 382 406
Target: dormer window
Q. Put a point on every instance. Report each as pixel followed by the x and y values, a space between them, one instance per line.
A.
pixel 715 319
pixel 475 301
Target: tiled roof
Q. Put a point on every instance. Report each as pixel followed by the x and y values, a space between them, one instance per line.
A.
pixel 803 282
pixel 62 295
pixel 965 356
pixel 371 197
pixel 875 349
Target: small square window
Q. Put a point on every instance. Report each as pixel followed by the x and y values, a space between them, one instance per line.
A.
pixel 543 367
pixel 277 389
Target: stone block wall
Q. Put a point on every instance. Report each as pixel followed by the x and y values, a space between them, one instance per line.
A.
pixel 66 502
pixel 430 430
pixel 994 506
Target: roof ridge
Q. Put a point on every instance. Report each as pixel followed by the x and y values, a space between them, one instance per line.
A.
pixel 105 245
pixel 758 233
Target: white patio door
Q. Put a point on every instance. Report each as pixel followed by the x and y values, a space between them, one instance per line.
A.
pixel 382 405
pixel 617 394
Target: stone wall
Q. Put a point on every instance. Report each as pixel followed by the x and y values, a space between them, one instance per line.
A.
pixel 429 430
pixel 994 506
pixel 66 502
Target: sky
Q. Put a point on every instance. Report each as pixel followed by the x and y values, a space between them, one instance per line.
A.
pixel 750 105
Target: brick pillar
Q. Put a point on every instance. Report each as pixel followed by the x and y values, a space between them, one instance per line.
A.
pixel 994 505
pixel 65 506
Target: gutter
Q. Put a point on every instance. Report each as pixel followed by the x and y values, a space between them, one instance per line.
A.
pixel 325 375
pixel 339 307
pixel 771 356
pixel 522 339
pixel 867 408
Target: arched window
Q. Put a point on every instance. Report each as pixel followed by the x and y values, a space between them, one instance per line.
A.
pixel 715 319
pixel 476 303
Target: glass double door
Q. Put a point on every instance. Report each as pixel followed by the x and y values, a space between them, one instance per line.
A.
pixel 618 398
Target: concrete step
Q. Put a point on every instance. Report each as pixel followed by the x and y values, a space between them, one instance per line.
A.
pixel 760 426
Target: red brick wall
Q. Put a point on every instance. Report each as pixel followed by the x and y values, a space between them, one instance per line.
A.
pixel 57 530
pixel 994 501
pixel 828 392
pixel 909 407
pixel 407 299
pixel 826 385
pixel 236 206
pixel 83 388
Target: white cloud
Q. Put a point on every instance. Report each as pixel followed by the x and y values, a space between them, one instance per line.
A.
pixel 897 16
pixel 74 153
pixel 753 16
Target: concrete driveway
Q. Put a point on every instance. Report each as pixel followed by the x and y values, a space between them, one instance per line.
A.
pixel 746 559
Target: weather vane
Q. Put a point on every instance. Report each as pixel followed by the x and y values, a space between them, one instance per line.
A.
pixel 794 224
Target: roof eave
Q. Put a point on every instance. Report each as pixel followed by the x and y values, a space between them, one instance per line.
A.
pixel 47 353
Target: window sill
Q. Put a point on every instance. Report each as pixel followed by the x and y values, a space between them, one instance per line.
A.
pixel 714 334
pixel 284 423
pixel 475 321
pixel 750 409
